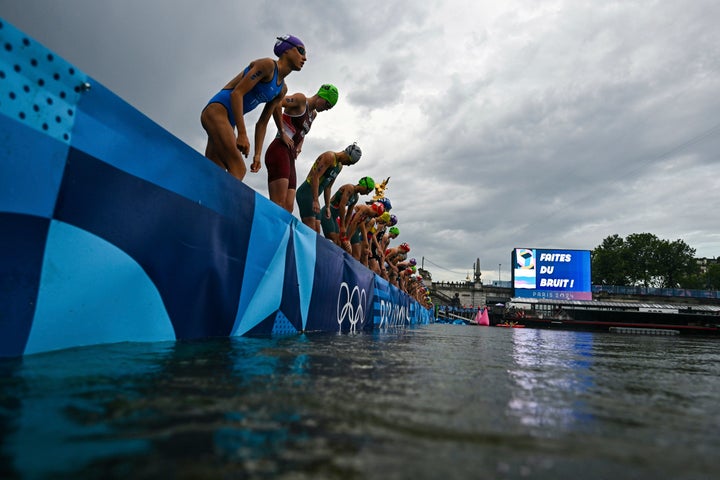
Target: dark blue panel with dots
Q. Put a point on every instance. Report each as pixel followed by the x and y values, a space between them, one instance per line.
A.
pixel 37 87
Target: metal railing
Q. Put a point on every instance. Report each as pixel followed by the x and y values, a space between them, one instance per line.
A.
pixel 596 289
pixel 658 292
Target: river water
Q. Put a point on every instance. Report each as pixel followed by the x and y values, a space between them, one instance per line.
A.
pixel 436 401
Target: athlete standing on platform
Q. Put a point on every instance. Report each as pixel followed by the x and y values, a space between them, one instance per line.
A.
pixel 357 229
pixel 320 179
pixel 376 233
pixel 393 256
pixel 263 81
pixel 342 203
pixel 298 114
pixel 392 233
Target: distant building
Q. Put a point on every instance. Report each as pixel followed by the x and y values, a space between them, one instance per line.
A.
pixel 426 275
pixel 705 263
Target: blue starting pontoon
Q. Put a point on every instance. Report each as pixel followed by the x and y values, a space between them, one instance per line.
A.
pixel 112 230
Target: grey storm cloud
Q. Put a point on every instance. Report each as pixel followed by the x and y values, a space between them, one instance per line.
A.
pixel 549 124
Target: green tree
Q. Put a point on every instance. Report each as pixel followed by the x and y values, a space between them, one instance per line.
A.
pixel 712 277
pixel 608 263
pixel 641 258
pixel 709 280
pixel 675 261
pixel 644 259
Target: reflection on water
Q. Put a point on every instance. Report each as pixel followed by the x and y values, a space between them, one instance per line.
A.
pixel 551 371
pixel 450 400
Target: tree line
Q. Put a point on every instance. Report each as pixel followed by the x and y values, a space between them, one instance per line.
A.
pixel 643 259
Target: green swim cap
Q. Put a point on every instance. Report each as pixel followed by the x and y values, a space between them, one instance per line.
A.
pixel 367 182
pixel 394 230
pixel 328 92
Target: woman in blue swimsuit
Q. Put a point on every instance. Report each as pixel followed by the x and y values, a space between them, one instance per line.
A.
pixel 263 81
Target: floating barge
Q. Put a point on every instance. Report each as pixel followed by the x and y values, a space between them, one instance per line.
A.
pixel 113 230
pixel 620 317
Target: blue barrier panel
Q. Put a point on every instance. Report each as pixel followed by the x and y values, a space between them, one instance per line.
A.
pixel 391 306
pixel 342 291
pixel 114 230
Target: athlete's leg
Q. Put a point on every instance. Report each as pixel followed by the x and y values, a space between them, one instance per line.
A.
pixel 310 222
pixel 277 162
pixel 304 200
pixel 221 147
pixel 277 190
pixel 292 185
pixel 290 200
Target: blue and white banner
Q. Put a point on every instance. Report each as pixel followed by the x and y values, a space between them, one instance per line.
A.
pixel 114 230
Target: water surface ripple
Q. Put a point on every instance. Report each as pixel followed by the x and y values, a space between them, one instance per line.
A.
pixel 438 401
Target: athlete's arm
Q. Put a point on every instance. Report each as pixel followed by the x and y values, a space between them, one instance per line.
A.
pixel 326 194
pixel 291 105
pixel 343 208
pixel 260 70
pixel 321 164
pixel 261 128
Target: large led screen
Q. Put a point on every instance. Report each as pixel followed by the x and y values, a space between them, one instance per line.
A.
pixel 555 274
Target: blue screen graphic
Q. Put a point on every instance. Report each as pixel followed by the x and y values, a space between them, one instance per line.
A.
pixel 555 274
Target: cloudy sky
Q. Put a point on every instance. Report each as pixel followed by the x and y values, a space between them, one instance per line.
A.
pixel 521 123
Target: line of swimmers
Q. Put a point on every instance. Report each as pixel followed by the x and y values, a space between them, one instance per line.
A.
pixel 364 230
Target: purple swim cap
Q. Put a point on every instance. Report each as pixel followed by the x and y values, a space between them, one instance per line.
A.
pixel 285 43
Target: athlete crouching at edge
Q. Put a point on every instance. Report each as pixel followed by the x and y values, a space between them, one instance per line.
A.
pixel 357 230
pixel 263 81
pixel 342 204
pixel 298 114
pixel 391 234
pixel 393 256
pixel 376 234
pixel 322 175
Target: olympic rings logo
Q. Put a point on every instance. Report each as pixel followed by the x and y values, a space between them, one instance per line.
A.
pixel 351 305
